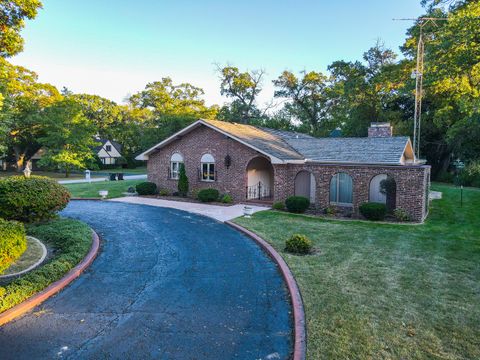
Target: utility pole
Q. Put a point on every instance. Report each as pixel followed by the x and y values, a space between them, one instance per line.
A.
pixel 417 74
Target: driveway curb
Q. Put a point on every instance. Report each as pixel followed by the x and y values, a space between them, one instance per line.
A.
pixel 300 336
pixel 54 288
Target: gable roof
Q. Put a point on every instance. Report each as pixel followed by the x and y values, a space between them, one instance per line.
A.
pixel 291 147
pixel 115 144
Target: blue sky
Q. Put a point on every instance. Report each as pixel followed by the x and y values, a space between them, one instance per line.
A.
pixel 113 48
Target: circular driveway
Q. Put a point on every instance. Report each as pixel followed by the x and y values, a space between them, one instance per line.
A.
pixel 168 285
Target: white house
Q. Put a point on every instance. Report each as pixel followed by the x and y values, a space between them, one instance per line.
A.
pixel 109 151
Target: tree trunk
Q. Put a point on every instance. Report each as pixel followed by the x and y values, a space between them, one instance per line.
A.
pixel 19 159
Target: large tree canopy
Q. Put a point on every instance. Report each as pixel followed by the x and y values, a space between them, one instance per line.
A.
pixel 12 15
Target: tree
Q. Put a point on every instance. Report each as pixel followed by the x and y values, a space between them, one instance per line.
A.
pixel 451 83
pixel 166 108
pixel 309 100
pixel 24 99
pixel 243 88
pixel 12 15
pixel 182 181
pixel 69 137
pixel 105 114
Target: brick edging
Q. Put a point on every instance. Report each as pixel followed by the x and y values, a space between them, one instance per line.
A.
pixel 54 288
pixel 300 336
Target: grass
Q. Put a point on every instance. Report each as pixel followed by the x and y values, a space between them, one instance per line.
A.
pixel 384 291
pixel 32 254
pixel 136 171
pixel 70 239
pixel 115 188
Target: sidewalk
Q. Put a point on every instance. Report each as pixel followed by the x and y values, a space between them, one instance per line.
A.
pixel 217 212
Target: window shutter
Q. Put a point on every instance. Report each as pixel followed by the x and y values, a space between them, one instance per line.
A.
pixel 199 174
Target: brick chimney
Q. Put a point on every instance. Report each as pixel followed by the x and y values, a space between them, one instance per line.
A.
pixel 378 129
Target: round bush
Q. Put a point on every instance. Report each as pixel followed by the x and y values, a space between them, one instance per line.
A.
pixel 401 215
pixel 31 199
pixel 373 211
pixel 146 188
pixel 13 242
pixel 297 204
pixel 208 195
pixel 298 244
pixel 279 205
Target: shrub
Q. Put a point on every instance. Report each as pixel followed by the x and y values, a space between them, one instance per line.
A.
pixel 13 242
pixel 182 181
pixel 297 204
pixel 330 211
pixel 31 199
pixel 373 211
pixel 227 199
pixel 298 244
pixel 208 195
pixel 70 241
pixel 146 188
pixel 279 205
pixel 401 215
pixel 163 192
pixel 470 176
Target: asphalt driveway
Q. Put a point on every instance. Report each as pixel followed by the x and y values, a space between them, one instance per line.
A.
pixel 167 285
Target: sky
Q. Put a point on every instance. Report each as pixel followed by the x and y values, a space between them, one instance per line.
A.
pixel 113 48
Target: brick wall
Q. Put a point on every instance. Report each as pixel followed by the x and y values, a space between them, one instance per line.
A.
pixel 412 183
pixel 192 146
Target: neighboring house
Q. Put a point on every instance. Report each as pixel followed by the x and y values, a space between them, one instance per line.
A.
pixel 253 163
pixel 108 151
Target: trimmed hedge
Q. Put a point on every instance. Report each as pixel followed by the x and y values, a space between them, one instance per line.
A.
pixel 208 195
pixel 70 239
pixel 373 211
pixel 31 199
pixel 13 242
pixel 298 244
pixel 297 204
pixel 227 199
pixel 146 188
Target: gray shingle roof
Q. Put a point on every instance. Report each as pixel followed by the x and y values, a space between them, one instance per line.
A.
pixel 373 150
pixel 287 145
pixel 270 142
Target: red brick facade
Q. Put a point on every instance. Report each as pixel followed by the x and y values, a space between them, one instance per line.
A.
pixel 412 181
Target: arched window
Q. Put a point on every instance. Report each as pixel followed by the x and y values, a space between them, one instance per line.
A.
pixel 175 162
pixel 208 167
pixel 341 189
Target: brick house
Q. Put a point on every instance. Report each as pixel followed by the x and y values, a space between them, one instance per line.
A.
pixel 259 164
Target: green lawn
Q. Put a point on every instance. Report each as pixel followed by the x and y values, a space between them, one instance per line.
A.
pixel 115 188
pixel 136 171
pixel 388 291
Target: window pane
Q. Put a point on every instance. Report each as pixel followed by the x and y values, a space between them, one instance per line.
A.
pixel 345 188
pixel 212 172
pixel 204 171
pixel 333 189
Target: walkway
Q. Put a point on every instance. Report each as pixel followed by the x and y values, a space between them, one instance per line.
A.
pixel 167 285
pixel 217 212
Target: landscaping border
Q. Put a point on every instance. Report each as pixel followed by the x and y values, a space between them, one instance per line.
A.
pixel 300 335
pixel 55 287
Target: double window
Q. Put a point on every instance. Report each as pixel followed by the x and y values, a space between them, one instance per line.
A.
pixel 341 189
pixel 175 161
pixel 208 168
